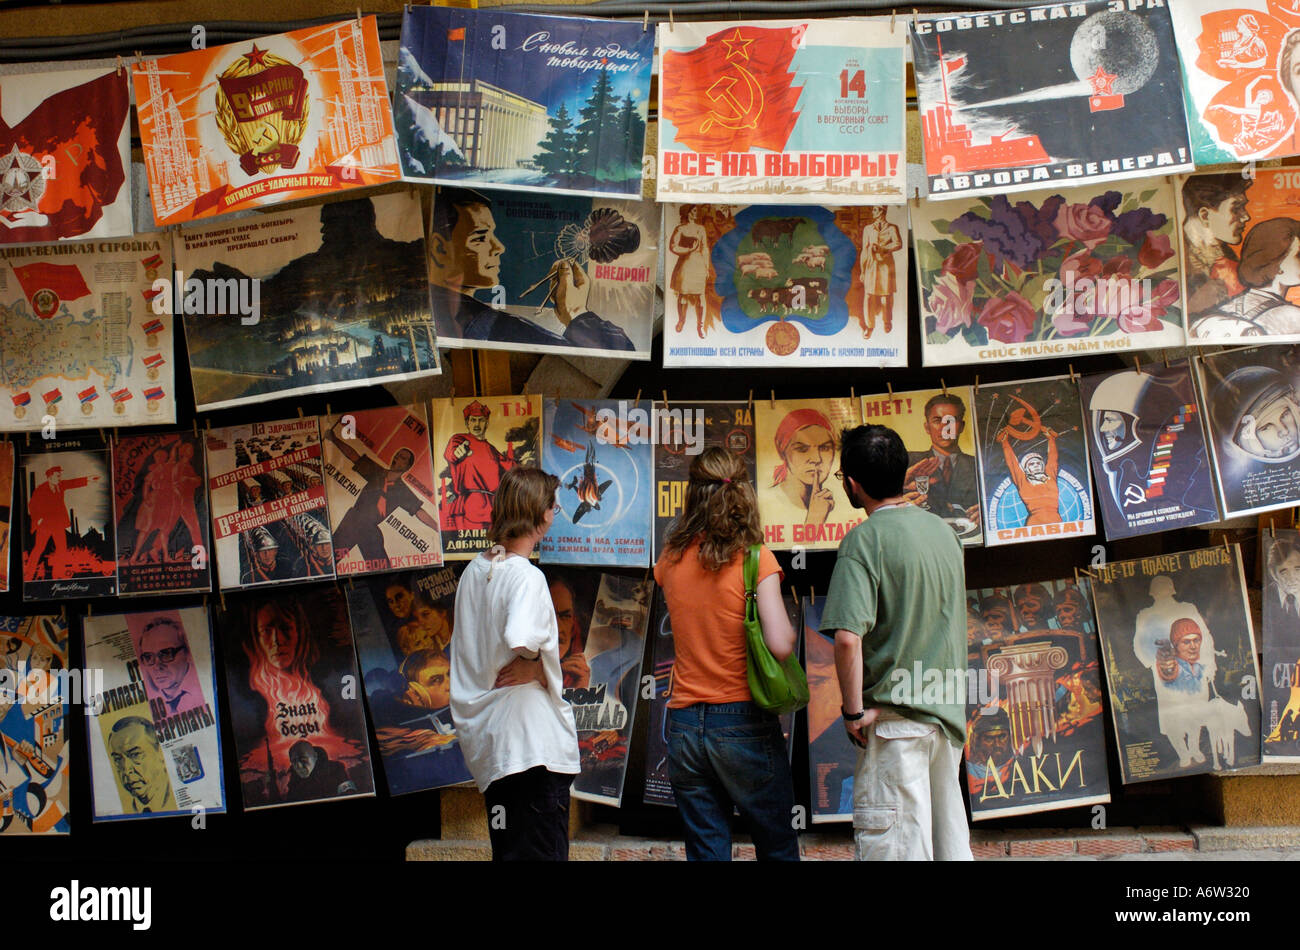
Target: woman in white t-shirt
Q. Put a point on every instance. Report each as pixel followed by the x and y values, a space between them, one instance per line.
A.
pixel 515 729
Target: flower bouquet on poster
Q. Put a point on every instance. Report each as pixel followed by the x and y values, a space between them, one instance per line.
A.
pixel 1056 273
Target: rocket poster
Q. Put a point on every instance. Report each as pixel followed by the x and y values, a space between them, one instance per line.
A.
pixel 6 509
pixel 1148 450
pixel 938 429
pixel 153 727
pixel 160 508
pixel 782 111
pixel 1088 269
pixel 1253 422
pixel 522 101
pixel 474 442
pixel 68 550
pixel 269 519
pixel 1060 93
pixel 65 155
pixel 1035 739
pixel 380 488
pixel 276 119
pixel 84 340
pixel 553 273
pixel 801 502
pixel 765 286
pixel 403 627
pixel 1240 90
pixel 314 300
pixel 1033 456
pixel 601 451
pixel 33 726
pixel 1179 650
pixel 295 700
pixel 1280 687
pixel 832 759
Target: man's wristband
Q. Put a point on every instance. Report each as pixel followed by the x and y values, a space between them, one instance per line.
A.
pixel 854 717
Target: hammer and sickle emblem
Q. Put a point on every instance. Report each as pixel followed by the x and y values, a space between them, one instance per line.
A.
pixel 1025 422
pixel 740 116
pixel 1134 495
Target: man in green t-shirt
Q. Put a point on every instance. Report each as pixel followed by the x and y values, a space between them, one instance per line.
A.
pixel 897 609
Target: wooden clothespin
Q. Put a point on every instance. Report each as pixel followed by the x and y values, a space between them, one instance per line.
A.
pixel 645 21
pixel 852 394
pixel 207 424
pixel 1225 543
pixel 120 65
pixel 1165 354
pixel 915 19
pixel 1272 528
pixel 812 593
pixel 665 400
pixel 772 398
pixel 90 609
pixel 28 436
pixel 1074 377
pixel 195 423
pixel 63 612
pixel 637 400
pixel 671 22
pixel 139 57
pixel 222 595
pixel 328 411
pixel 977 385
pixel 943 386
pixel 358 14
pixel 751 400
pixel 1137 363
pixel 300 415
pixel 890 387
pixel 893 16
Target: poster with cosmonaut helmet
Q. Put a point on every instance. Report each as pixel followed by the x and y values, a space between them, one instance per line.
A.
pixel 1148 450
pixel 1253 416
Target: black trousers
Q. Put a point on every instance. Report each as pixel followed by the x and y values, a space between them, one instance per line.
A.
pixel 528 816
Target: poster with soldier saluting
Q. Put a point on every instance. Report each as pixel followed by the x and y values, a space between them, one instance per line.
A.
pixel 475 441
pixel 1033 457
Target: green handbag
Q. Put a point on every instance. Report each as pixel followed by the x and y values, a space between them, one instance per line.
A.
pixel 777 687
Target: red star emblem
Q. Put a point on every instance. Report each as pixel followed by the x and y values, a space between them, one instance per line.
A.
pixel 256 57
pixel 1102 82
pixel 737 46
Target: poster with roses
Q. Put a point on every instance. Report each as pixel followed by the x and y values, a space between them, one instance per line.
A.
pixel 1053 273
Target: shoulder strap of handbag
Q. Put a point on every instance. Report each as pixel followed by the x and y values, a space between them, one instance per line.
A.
pixel 751 580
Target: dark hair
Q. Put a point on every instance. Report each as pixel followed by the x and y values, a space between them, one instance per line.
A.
pixel 447 203
pixel 1210 191
pixel 874 457
pixel 720 510
pixel 950 399
pixel 522 499
pixel 1265 247
pixel 126 722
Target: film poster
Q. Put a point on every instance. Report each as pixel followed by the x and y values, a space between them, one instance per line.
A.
pixel 1035 739
pixel 763 286
pixel 65 155
pixel 1099 98
pixel 601 451
pixel 403 626
pixel 1179 650
pixel 269 519
pixel 938 430
pixel 380 488
pixel 154 732
pixel 6 509
pixel 800 500
pixel 1253 423
pixel 1088 269
pixel 85 342
pixel 1280 687
pixel 1240 263
pixel 299 721
pixel 33 726
pixel 314 300
pixel 474 442
pixel 68 549
pixel 160 502
pixel 1034 479
pixel 1148 450
pixel 694 427
pixel 832 759
pixel 561 274
pixel 783 111
pixel 522 101
pixel 280 118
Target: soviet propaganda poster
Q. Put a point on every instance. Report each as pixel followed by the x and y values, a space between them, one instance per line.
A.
pixel 832 758
pixel 1280 687
pixel 6 509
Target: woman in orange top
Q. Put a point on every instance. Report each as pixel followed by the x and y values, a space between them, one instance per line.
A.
pixel 723 750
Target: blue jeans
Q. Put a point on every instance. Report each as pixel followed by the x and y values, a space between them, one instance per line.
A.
pixel 725 754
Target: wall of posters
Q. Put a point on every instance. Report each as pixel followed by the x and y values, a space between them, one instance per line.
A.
pixel 578 275
pixel 6 509
pixel 65 155
pixel 938 429
pixel 474 442
pixel 1148 450
pixel 269 520
pixel 523 101
pixel 68 549
pixel 379 483
pixel 760 286
pixel 1240 268
pixel 1253 421
pixel 832 759
pixel 160 510
pixel 306 301
pixel 276 119
pixel 1179 651
pixel 403 627
pixel 1034 734
pixel 1033 462
pixel 789 111
pixel 1100 97
pixel 82 341
pixel 1280 685
pixel 33 726
pixel 800 501
pixel 154 734
pixel 1077 270
pixel 663 653
pixel 300 728
pixel 601 451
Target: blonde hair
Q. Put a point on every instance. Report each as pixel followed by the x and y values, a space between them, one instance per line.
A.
pixel 721 511
pixel 522 498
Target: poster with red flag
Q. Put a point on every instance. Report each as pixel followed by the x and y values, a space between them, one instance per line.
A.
pixel 65 152
pixel 786 111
